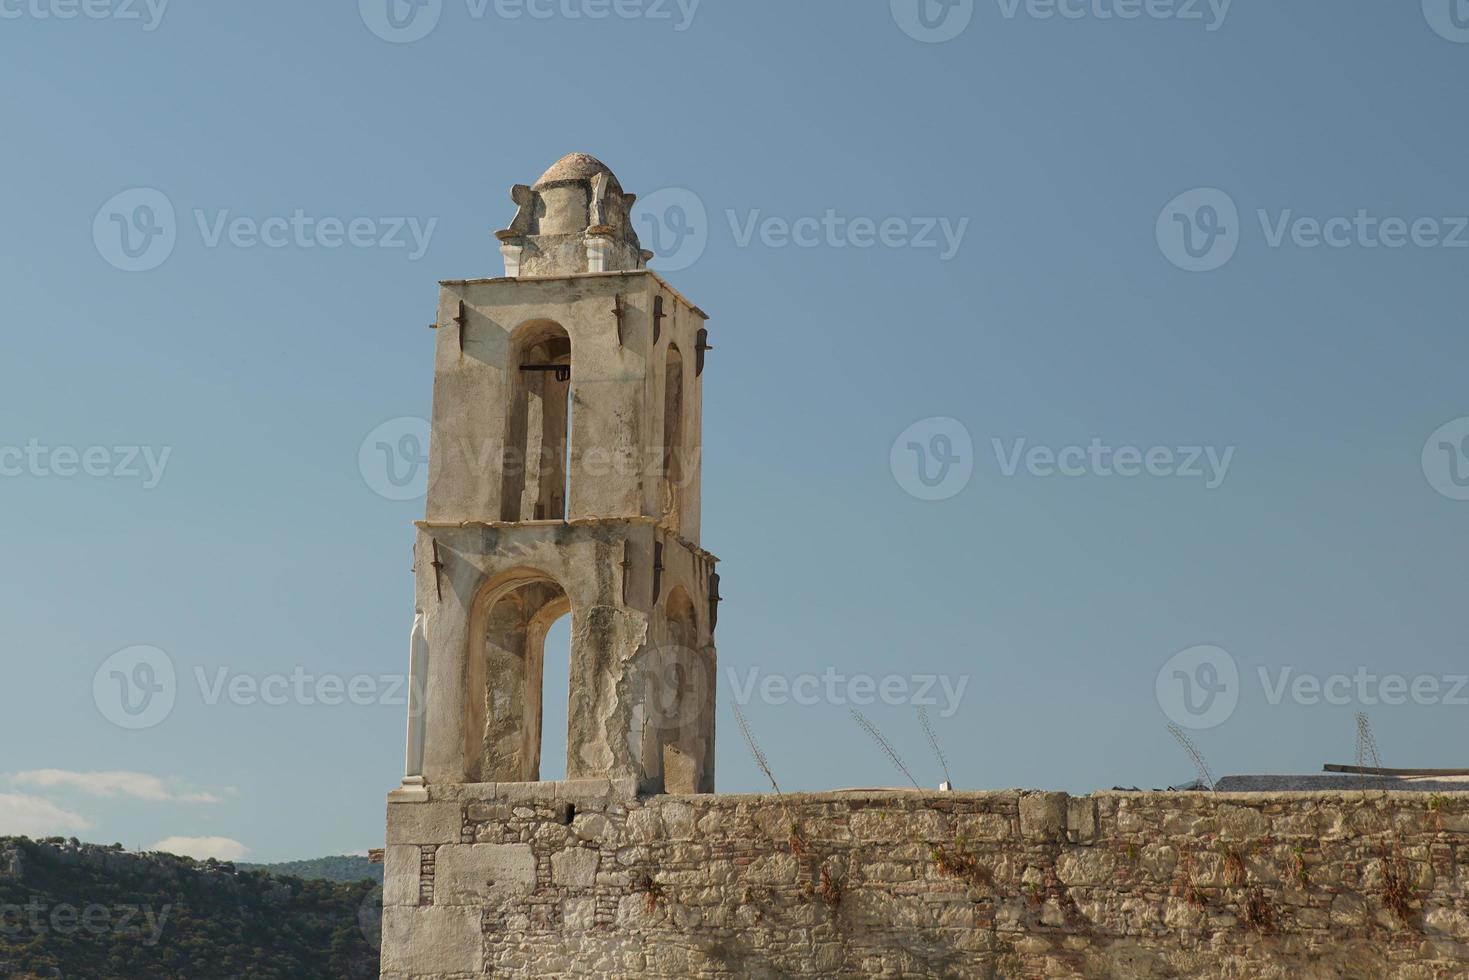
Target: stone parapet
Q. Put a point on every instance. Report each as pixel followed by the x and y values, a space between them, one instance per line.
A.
pixel 586 879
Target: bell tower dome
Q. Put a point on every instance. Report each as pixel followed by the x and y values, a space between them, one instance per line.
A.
pixel 576 218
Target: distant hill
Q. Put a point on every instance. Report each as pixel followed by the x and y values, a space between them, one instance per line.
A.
pixel 72 910
pixel 347 868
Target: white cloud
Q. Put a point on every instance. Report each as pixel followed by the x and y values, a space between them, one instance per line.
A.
pixel 201 848
pixel 139 786
pixel 31 816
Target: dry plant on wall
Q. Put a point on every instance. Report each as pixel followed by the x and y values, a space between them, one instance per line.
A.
pixel 823 883
pixel 1205 776
pixel 1366 747
pixel 1397 873
pixel 1397 886
pixel 938 751
pixel 797 845
pixel 884 744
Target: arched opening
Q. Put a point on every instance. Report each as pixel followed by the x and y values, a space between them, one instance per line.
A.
pixel 683 679
pixel 506 677
pixel 683 621
pixel 673 435
pixel 556 701
pixel 539 424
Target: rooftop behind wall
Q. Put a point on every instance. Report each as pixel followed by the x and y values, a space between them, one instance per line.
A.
pixel 585 879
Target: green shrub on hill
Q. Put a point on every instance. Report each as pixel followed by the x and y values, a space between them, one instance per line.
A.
pixel 76 910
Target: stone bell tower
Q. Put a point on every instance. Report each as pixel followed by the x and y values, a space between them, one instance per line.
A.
pixel 564 480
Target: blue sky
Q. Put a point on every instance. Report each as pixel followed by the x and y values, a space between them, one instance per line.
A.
pixel 1108 280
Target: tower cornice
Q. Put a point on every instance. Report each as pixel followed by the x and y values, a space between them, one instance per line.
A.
pixel 662 282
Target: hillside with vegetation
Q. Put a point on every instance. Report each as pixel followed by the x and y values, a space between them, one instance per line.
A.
pixel 345 868
pixel 78 910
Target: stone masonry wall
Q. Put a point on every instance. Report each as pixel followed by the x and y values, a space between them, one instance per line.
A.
pixel 585 880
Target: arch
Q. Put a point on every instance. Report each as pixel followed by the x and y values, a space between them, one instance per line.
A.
pixel 538 423
pixel 504 675
pixel 673 437
pixel 683 679
pixel 683 619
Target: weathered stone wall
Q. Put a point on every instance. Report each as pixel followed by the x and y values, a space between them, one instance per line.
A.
pixel 585 880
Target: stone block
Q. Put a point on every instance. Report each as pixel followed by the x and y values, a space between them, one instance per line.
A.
pixel 594 827
pixel 575 867
pixel 483 874
pixel 1086 866
pixel 579 914
pixel 430 942
pixel 644 825
pixel 678 820
pixel 425 823
pixel 402 868
pixel 593 792
pixel 489 812
pixel 1043 816
pixel 1081 820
